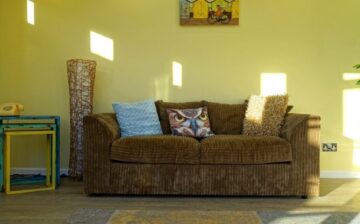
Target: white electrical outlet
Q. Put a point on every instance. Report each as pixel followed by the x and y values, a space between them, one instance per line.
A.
pixel 329 147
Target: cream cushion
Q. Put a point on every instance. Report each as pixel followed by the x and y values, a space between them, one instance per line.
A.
pixel 265 115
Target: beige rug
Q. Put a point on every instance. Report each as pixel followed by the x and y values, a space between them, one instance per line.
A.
pixel 113 216
pixel 194 217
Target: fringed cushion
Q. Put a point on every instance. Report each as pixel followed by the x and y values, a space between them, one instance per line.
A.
pixel 265 115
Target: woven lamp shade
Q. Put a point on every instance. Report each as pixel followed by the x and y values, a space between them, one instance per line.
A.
pixel 81 77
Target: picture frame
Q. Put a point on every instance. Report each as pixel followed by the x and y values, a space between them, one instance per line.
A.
pixel 209 12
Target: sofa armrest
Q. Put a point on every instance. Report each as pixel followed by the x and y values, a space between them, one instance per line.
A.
pixel 100 130
pixel 109 122
pixel 291 124
pixel 303 133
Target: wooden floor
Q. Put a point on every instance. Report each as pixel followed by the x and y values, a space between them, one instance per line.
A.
pixel 56 206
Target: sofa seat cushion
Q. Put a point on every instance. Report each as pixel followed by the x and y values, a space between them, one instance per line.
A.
pixel 156 149
pixel 240 149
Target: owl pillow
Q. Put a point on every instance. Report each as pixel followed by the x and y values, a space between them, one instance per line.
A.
pixel 190 122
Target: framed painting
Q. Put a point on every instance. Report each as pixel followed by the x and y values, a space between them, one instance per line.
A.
pixel 209 12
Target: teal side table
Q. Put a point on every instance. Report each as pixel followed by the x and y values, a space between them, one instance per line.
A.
pixel 29 123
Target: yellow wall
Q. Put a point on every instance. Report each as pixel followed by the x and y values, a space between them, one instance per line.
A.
pixel 313 42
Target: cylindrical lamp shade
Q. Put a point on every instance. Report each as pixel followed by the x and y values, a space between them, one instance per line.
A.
pixel 81 77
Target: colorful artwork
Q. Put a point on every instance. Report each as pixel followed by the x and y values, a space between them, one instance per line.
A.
pixel 209 12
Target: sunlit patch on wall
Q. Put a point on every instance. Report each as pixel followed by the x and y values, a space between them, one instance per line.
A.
pixel 177 74
pixel 31 12
pixel 356 154
pixel 351 114
pixel 351 76
pixel 102 46
pixel 273 84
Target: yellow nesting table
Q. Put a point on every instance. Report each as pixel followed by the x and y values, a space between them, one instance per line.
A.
pixel 50 164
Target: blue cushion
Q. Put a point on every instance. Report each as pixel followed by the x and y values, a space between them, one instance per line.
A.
pixel 137 119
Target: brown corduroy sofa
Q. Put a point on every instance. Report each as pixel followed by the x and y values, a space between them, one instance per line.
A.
pixel 225 164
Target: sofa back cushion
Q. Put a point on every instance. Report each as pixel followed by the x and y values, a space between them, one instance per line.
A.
pixel 162 106
pixel 226 119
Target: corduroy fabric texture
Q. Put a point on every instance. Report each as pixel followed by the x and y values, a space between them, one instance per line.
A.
pixel 173 179
pixel 303 133
pixel 300 177
pixel 100 131
pixel 240 149
pixel 226 119
pixel 156 149
pixel 161 107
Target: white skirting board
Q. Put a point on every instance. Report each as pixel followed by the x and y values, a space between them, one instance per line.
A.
pixel 323 174
pixel 36 171
pixel 340 174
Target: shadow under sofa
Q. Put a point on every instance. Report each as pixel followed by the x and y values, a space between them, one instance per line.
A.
pixel 221 165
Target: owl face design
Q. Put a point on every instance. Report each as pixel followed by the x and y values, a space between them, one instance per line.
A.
pixel 190 122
